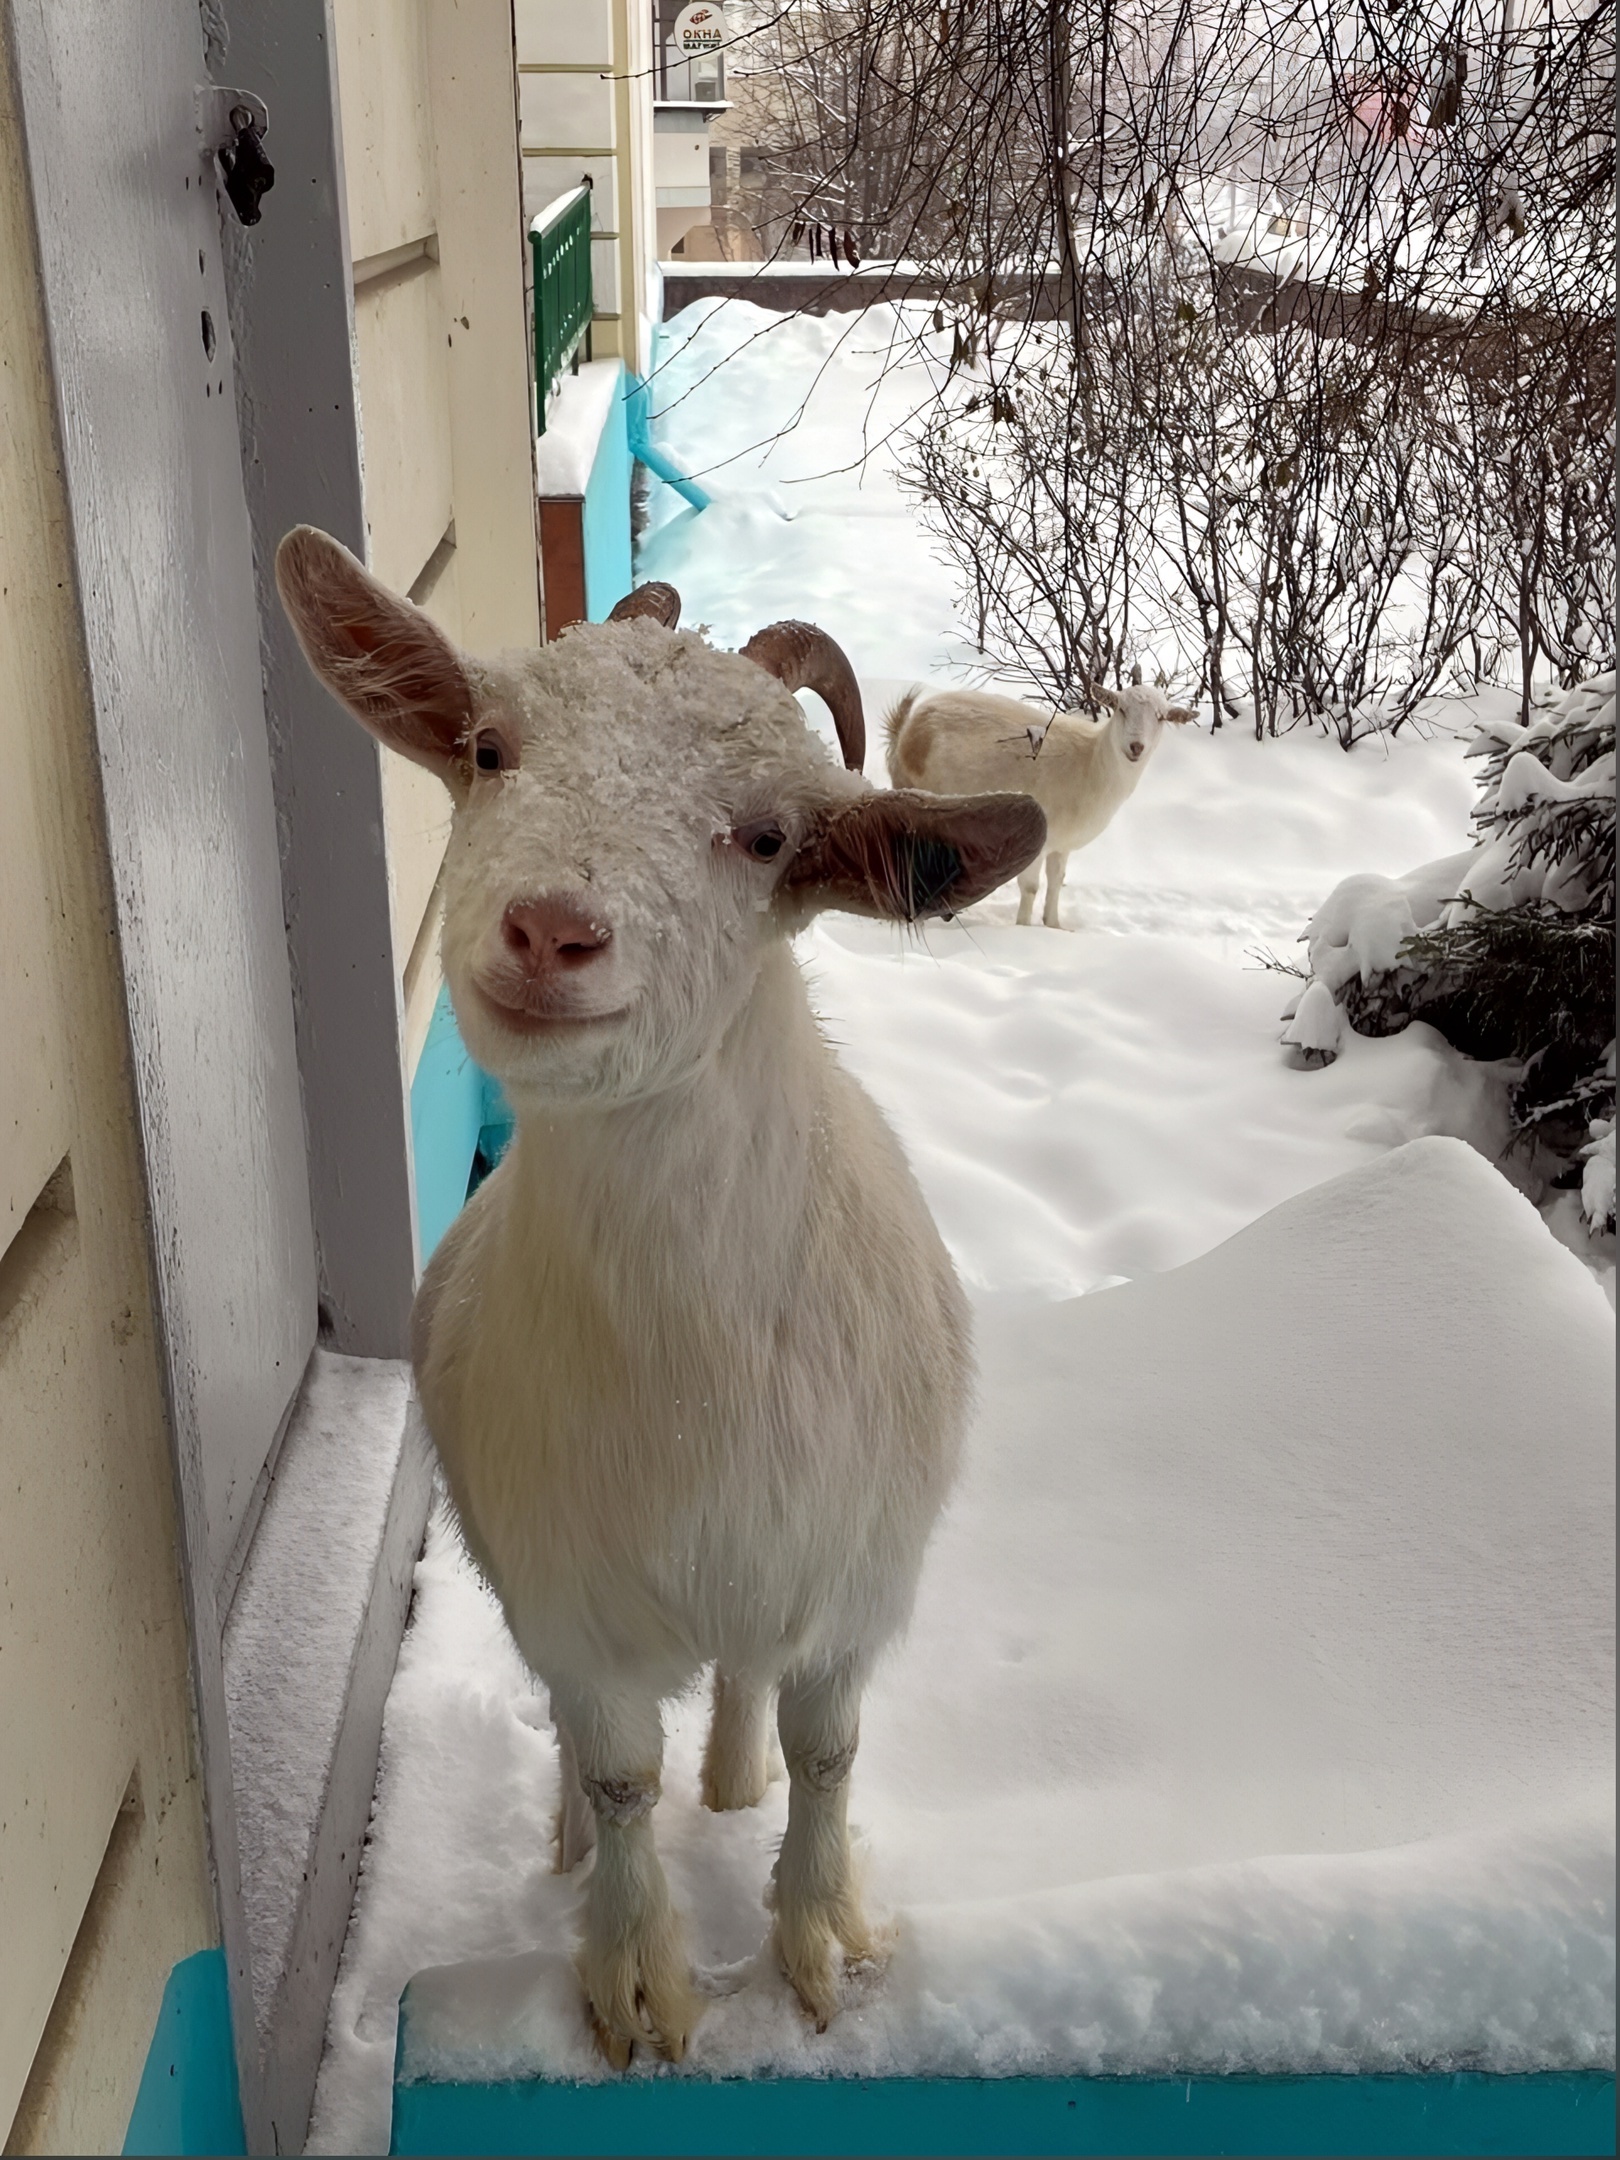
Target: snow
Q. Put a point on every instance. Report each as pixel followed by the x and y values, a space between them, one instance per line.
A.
pixel 1356 1962
pixel 1316 1025
pixel 1257 1706
pixel 575 419
pixel 784 266
pixel 1085 1109
pixel 1597 1180
pixel 291 1636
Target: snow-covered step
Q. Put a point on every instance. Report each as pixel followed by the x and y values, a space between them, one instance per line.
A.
pixel 1256 1717
pixel 310 1644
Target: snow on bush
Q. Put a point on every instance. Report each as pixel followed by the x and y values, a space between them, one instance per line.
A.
pixel 1509 949
pixel 1597 1179
pixel 1315 1026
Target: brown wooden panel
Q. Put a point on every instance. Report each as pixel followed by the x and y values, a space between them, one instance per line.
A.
pixel 562 561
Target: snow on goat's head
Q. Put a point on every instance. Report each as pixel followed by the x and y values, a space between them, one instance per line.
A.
pixel 637 817
pixel 1138 715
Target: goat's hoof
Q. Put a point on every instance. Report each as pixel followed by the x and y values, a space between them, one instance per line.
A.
pixel 817 1953
pixel 818 1996
pixel 641 1995
pixel 618 2048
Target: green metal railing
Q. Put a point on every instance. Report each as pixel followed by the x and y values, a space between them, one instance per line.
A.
pixel 561 239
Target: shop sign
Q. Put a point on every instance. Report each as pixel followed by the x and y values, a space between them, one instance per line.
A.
pixel 700 28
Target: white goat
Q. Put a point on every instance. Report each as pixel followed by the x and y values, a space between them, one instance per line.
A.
pixel 1078 769
pixel 694 1357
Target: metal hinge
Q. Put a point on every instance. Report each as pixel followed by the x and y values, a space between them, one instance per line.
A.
pixel 231 128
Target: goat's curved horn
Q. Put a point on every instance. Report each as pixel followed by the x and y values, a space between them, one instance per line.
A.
pixel 1136 672
pixel 805 658
pixel 661 602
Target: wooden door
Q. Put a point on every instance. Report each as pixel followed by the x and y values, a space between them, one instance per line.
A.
pixel 134 291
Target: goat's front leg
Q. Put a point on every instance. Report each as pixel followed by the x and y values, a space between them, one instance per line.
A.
pixel 632 1960
pixel 735 1770
pixel 817 1904
pixel 1029 881
pixel 1055 867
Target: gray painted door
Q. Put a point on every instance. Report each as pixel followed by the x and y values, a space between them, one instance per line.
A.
pixel 128 212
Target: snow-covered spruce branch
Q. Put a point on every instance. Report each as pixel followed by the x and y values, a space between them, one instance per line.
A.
pixel 1508 950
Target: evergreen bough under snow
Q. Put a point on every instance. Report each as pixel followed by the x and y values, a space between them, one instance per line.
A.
pixel 1508 950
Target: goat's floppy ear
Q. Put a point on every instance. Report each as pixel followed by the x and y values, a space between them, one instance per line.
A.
pixel 1179 715
pixel 388 662
pixel 1100 694
pixel 902 854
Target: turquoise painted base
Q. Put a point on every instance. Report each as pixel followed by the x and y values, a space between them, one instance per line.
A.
pixel 646 451
pixel 658 2111
pixel 1550 2114
pixel 605 519
pixel 189 2101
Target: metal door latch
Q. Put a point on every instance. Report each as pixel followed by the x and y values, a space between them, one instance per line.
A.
pixel 232 124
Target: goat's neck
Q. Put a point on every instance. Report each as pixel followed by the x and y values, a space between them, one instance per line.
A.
pixel 1078 741
pixel 1111 742
pixel 1091 748
pixel 701 1186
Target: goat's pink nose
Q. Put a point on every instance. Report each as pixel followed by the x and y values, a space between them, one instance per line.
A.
pixel 551 937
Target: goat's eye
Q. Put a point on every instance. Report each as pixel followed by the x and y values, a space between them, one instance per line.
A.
pixel 763 842
pixel 488 755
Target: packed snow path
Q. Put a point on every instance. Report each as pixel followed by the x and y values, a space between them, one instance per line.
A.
pixel 1134 1803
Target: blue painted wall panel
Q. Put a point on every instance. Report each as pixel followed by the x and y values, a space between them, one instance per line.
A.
pixel 607 512
pixel 457 1111
pixel 1571 2113
pixel 188 2100
pixel 447 1116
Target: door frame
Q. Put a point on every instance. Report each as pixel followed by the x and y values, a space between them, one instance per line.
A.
pixel 117 181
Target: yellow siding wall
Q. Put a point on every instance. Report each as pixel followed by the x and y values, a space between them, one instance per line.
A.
pixel 587 111
pixel 428 97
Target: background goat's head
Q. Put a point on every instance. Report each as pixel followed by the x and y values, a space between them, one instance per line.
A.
pixel 637 817
pixel 1138 715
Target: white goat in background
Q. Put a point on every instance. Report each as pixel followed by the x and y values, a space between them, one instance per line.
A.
pixel 1079 769
pixel 694 1358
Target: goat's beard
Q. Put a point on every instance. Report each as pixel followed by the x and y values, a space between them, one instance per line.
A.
pixel 575 1066
pixel 657 1046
